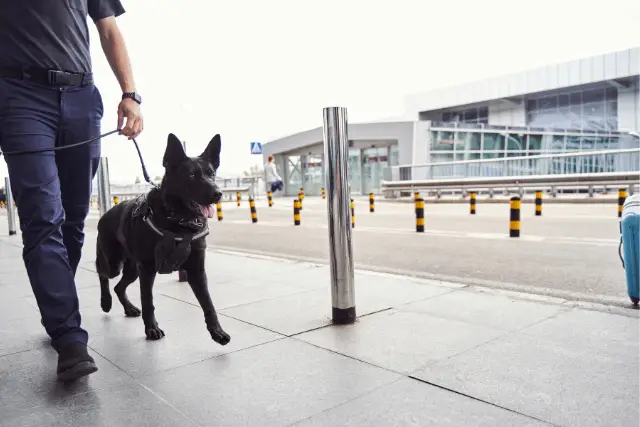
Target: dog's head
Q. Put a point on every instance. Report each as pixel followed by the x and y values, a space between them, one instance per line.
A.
pixel 191 180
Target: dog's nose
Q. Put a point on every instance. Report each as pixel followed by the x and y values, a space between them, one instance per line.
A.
pixel 217 195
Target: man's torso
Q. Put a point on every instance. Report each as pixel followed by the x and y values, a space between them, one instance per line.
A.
pixel 50 33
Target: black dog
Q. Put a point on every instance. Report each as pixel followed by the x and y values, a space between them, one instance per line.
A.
pixel 161 232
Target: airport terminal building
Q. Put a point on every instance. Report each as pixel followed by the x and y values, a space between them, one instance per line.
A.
pixel 587 104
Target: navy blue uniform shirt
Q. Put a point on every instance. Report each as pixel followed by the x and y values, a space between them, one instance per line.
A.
pixel 50 33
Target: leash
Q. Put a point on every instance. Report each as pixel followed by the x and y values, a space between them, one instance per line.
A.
pixel 77 144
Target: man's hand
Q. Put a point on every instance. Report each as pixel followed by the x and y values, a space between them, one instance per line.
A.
pixel 131 110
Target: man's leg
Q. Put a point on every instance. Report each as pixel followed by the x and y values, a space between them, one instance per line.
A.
pixel 80 121
pixel 29 116
pixel 31 122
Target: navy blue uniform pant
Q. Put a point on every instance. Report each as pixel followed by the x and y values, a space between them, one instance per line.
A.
pixel 52 190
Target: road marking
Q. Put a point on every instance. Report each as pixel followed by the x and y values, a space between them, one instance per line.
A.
pixel 450 233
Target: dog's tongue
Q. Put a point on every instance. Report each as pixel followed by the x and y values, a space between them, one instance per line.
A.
pixel 207 211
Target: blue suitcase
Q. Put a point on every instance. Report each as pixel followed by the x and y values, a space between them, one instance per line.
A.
pixel 630 242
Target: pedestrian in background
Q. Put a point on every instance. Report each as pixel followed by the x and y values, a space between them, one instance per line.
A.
pixel 274 181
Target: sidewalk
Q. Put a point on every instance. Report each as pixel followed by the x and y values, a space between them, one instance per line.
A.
pixel 423 353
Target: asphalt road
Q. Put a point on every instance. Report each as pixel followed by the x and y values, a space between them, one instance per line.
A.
pixel 570 251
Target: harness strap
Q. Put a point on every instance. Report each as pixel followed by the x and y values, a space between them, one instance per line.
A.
pixel 191 237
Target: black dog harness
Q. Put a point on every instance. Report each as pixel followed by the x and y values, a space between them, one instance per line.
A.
pixel 172 250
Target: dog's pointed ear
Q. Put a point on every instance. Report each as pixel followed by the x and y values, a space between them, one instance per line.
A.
pixel 212 152
pixel 174 154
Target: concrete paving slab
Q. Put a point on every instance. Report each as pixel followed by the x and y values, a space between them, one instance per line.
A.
pixel 124 404
pixel 401 341
pixel 482 308
pixel 593 330
pixel 409 402
pixel 22 333
pixel 560 383
pixel 301 312
pixel 29 379
pixel 275 384
pixel 122 340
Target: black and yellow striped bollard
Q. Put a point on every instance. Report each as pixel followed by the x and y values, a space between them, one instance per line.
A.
pixel 254 213
pixel 419 215
pixel 270 198
pixel 116 200
pixel 302 193
pixel 219 210
pixel 472 203
pixel 416 196
pixel 238 198
pixel 622 196
pixel 514 217
pixel 353 214
pixel 538 203
pixel 324 195
pixel 372 207
pixel 296 212
pixel 300 198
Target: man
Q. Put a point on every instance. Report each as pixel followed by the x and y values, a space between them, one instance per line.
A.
pixel 274 181
pixel 48 99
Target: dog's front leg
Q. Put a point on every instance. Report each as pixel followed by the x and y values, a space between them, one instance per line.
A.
pixel 197 278
pixel 147 277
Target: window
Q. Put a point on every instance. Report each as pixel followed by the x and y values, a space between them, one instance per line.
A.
pixel 470 115
pixel 586 110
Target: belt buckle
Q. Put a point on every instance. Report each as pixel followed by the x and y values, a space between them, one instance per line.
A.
pixel 53 77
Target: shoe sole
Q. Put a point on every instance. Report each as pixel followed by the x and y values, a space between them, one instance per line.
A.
pixel 77 371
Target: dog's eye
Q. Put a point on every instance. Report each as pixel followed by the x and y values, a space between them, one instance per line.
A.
pixel 192 175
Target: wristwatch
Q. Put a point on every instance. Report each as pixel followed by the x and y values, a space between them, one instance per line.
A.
pixel 133 96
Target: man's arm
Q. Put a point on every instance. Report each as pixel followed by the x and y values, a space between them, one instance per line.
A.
pixel 115 50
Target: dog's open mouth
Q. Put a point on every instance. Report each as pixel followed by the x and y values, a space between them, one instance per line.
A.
pixel 208 210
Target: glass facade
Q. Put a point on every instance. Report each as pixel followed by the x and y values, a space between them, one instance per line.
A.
pixel 469 115
pixel 583 110
pixel 366 167
pixel 450 144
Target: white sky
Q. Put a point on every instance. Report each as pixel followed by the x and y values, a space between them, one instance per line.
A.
pixel 257 70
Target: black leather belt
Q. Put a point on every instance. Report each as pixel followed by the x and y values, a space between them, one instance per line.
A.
pixel 47 77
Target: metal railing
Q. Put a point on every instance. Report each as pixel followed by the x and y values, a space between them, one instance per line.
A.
pixel 582 162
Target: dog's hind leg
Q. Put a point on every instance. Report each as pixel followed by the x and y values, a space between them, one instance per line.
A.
pixel 129 275
pixel 105 294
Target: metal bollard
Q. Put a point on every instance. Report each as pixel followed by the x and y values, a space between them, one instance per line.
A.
pixel 11 210
pixel 104 186
pixel 372 207
pixel 622 196
pixel 416 196
pixel 353 214
pixel 300 197
pixel 538 203
pixel 254 213
pixel 219 210
pixel 270 198
pixel 514 217
pixel 324 195
pixel 296 212
pixel 420 215
pixel 438 193
pixel 336 156
pixel 238 198
pixel 472 203
pixel 491 193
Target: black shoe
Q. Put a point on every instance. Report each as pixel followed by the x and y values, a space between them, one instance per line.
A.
pixel 74 362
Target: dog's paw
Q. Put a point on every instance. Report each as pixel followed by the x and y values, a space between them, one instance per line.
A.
pixel 219 336
pixel 106 303
pixel 154 333
pixel 132 311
